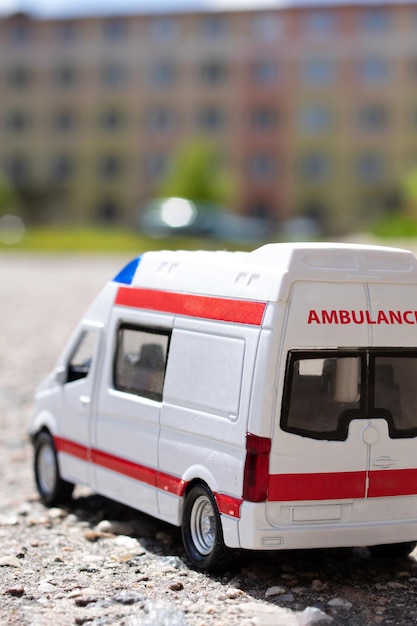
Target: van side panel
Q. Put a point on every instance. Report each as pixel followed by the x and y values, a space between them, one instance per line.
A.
pixel 205 411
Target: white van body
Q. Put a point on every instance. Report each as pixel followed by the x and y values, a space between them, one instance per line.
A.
pixel 281 384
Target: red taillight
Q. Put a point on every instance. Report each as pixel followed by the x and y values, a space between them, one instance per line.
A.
pixel 255 478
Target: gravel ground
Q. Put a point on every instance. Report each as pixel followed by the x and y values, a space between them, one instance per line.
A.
pixel 100 563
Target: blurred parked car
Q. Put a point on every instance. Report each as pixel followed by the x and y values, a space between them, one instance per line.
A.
pixel 163 217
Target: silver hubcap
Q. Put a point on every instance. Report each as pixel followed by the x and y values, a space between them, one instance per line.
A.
pixel 203 525
pixel 46 469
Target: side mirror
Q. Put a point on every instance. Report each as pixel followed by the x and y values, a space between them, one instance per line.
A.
pixel 60 375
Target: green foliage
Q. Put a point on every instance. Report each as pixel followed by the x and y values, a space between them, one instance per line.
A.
pixel 410 186
pixel 394 226
pixel 104 241
pixel 408 194
pixel 198 174
pixel 8 198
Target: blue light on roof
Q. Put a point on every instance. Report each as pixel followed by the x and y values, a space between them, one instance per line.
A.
pixel 128 272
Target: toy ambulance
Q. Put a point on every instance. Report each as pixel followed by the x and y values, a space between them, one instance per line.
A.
pixel 262 400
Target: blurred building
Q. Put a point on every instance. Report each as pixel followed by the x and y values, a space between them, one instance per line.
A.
pixel 314 110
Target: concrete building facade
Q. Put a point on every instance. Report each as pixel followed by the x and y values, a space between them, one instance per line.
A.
pixel 313 110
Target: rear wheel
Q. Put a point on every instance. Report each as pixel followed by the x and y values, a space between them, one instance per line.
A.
pixel 202 531
pixel 392 550
pixel 52 488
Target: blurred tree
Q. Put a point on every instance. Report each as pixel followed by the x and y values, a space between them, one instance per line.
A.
pixel 8 198
pixel 410 193
pixel 199 174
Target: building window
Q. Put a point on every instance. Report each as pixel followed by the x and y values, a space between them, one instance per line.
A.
pixel 315 118
pixel 318 72
pixel 66 32
pixel 162 74
pixel 18 121
pixel 113 75
pixel 115 29
pixel 214 26
pixel 213 72
pixel 19 77
pixel 64 121
pixel 260 209
pixel 161 120
pixel 262 168
pixel 111 120
pixel 413 118
pixel 164 29
pixel 110 167
pixel 413 68
pixel 156 166
pixel 65 76
pixel 373 118
pixel 140 361
pixel 320 22
pixel 108 211
pixel 375 19
pixel 263 119
pixel 374 70
pixel 211 119
pixel 265 72
pixel 62 168
pixel 315 167
pixel 266 26
pixel 20 32
pixel 18 169
pixel 370 168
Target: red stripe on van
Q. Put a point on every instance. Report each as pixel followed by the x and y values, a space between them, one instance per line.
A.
pixel 171 484
pixel 400 482
pixel 223 309
pixel 228 505
pixel 139 472
pixel 318 486
pixel 72 448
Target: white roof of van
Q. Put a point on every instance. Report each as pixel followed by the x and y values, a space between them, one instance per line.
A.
pixel 266 273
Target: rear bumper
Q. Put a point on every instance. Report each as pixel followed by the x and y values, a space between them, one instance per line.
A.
pixel 256 533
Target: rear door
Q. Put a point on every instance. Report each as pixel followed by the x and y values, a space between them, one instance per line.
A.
pixel 349 426
pixel 393 390
pixel 393 424
pixel 320 452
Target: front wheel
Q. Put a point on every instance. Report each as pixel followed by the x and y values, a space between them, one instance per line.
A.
pixel 392 550
pixel 52 488
pixel 202 530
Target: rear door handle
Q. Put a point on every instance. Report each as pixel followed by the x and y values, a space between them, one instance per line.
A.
pixel 384 462
pixel 84 401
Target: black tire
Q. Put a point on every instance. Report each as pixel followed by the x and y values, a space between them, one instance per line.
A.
pixel 51 487
pixel 392 550
pixel 202 530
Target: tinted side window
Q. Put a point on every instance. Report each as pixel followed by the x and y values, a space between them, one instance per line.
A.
pixel 140 361
pixel 323 392
pixel 395 392
pixel 80 362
